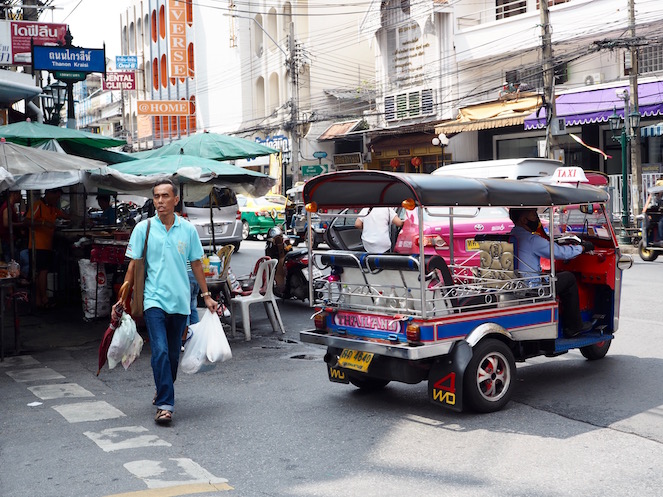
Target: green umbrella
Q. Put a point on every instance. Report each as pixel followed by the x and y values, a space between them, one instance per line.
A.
pixel 32 133
pixel 186 166
pixel 211 146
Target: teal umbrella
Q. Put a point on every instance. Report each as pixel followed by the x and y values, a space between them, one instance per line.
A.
pixel 211 146
pixel 32 133
pixel 186 166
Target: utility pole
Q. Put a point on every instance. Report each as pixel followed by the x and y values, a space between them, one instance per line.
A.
pixel 294 105
pixel 636 159
pixel 548 76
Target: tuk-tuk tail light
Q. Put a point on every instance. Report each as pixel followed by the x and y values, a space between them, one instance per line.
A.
pixel 413 333
pixel 320 321
pixel 435 241
pixel 312 207
pixel 408 204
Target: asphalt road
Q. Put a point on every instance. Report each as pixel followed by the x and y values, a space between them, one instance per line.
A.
pixel 269 423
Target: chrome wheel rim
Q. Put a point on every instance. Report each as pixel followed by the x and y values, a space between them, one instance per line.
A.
pixel 493 376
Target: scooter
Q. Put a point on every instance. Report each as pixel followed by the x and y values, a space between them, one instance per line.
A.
pixel 291 279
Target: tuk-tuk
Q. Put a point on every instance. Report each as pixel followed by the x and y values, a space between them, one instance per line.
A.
pixel 422 317
pixel 651 243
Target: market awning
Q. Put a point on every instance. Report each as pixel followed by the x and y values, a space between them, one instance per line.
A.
pixel 15 86
pixel 596 106
pixel 491 115
pixel 653 130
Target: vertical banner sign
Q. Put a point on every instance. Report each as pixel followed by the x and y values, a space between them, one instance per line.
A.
pixel 177 38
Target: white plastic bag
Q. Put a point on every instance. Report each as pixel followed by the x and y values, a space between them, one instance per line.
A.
pixel 206 345
pixel 126 344
pixel 218 348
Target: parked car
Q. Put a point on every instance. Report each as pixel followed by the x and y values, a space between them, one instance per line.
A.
pixel 258 214
pixel 226 217
pixel 468 222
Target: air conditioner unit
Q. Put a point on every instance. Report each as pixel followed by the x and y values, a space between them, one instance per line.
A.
pixel 594 78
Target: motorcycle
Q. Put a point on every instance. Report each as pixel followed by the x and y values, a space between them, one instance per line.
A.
pixel 291 279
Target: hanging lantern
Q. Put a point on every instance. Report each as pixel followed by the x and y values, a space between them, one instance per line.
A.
pixel 416 162
pixel 394 163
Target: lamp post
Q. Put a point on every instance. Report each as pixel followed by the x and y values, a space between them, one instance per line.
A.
pixel 630 125
pixel 54 96
pixel 441 140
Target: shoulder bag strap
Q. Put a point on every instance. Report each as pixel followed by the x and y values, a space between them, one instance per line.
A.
pixel 147 235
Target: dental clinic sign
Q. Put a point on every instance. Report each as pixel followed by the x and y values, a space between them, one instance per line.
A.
pixel 119 81
pixel 69 59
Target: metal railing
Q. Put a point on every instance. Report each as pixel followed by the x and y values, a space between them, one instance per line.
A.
pixel 615 190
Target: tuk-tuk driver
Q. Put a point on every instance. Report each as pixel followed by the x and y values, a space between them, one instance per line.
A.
pixel 531 247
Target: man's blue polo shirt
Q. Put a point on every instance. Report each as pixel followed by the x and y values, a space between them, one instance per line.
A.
pixel 167 282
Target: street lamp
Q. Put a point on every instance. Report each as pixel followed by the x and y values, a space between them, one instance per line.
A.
pixel 441 140
pixel 628 129
pixel 54 96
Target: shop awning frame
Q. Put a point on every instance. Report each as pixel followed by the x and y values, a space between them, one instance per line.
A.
pixel 597 105
pixel 490 115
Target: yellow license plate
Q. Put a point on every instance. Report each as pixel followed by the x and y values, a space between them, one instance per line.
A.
pixel 471 244
pixel 355 359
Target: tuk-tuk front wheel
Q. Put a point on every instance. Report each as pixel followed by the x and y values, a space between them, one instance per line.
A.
pixel 490 376
pixel 368 384
pixel 645 253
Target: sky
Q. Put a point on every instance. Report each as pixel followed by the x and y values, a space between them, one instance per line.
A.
pixel 91 22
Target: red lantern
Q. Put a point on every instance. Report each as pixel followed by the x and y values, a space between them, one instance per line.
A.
pixel 394 163
pixel 416 162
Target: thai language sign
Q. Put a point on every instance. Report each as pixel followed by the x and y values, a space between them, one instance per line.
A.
pixel 163 108
pixel 15 39
pixel 126 62
pixel 119 81
pixel 69 59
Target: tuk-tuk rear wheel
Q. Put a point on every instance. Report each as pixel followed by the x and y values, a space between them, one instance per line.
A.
pixel 490 376
pixel 596 350
pixel 645 253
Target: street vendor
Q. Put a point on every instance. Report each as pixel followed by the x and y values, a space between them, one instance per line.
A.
pixel 42 217
pixel 108 212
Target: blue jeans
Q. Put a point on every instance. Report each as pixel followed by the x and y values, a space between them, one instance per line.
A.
pixel 165 332
pixel 195 289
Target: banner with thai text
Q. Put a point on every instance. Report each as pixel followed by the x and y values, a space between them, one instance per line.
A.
pixel 15 39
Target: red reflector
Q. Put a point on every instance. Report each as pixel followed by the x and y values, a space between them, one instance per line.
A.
pixel 320 321
pixel 412 333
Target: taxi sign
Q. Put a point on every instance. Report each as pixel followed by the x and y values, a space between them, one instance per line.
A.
pixel 570 174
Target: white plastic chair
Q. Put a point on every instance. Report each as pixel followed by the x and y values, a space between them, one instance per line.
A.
pixel 266 272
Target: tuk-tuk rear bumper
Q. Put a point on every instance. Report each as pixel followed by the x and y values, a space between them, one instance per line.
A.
pixel 397 350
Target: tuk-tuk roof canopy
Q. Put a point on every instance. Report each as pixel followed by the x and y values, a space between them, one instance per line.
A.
pixel 373 188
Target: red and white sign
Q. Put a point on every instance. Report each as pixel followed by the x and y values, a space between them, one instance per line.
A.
pixel 119 81
pixel 15 39
pixel 163 108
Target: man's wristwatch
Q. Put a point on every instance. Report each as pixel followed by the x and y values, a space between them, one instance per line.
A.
pixel 205 294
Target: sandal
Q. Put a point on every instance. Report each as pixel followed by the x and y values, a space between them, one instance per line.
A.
pixel 163 417
pixel 154 399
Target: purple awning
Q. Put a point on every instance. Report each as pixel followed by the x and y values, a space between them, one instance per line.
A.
pixel 596 106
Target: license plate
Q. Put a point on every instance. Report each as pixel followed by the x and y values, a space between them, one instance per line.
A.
pixel 471 244
pixel 355 359
pixel 219 229
pixel 317 274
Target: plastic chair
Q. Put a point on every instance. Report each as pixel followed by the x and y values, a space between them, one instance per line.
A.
pixel 266 272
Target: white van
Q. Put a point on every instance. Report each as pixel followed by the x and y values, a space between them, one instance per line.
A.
pixel 502 168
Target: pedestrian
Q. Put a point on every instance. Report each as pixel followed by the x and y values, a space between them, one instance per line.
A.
pixel 375 228
pixel 43 215
pixel 166 298
pixel 531 246
pixel 108 213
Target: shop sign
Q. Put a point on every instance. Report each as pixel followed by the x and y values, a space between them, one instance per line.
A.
pixel 352 159
pixel 119 81
pixel 15 37
pixel 177 39
pixel 163 108
pixel 126 62
pixel 69 59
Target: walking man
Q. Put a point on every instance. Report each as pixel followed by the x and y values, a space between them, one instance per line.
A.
pixel 172 242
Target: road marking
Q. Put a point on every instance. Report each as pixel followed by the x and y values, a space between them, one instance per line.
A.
pixel 19 360
pixel 63 390
pixel 39 374
pixel 88 411
pixel 117 438
pixel 150 471
pixel 194 488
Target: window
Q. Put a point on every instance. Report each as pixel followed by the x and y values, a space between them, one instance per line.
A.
pixel 508 8
pixel 407 105
pixel 650 59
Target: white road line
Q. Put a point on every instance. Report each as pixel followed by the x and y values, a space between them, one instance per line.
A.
pixel 61 391
pixel 121 438
pixel 36 374
pixel 150 471
pixel 19 360
pixel 88 411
